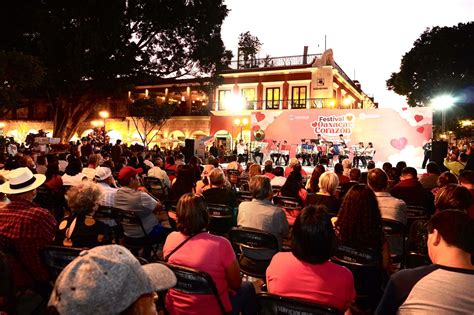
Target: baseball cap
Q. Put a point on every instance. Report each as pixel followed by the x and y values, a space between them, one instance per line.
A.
pixel 102 173
pixel 128 172
pixel 106 280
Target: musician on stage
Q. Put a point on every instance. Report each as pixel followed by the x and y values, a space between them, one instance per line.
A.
pixel 359 152
pixel 275 152
pixel 257 153
pixel 285 152
pixel 302 152
pixel 241 152
pixel 369 153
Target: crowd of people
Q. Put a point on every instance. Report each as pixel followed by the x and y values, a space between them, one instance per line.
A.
pixel 338 215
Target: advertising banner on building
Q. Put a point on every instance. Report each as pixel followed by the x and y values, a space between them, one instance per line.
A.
pixel 397 135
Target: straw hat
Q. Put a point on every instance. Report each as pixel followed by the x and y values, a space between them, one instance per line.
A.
pixel 21 180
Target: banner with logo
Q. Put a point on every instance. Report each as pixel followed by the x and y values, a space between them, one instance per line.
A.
pixel 397 135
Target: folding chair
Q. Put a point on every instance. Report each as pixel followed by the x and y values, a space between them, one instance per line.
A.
pixel 396 233
pixel 233 176
pixel 221 218
pixel 271 304
pixel 244 196
pixel 195 282
pixel 129 219
pixel 276 189
pixel 248 241
pixel 369 276
pixel 156 187
pixel 108 215
pixel 290 205
pixel 56 258
pixel 417 250
pixel 415 213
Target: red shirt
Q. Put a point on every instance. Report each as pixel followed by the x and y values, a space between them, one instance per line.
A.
pixel 29 228
pixel 289 169
pixel 327 283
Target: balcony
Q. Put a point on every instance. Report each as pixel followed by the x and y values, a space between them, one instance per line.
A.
pixel 273 62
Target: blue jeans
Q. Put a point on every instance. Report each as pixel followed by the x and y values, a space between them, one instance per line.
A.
pixel 244 300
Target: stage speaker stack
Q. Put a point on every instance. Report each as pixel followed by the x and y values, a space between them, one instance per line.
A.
pixel 188 149
pixel 439 152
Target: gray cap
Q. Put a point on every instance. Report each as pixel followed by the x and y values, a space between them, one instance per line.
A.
pixel 106 280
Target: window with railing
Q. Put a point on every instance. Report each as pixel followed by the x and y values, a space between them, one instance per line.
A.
pixel 221 97
pixel 249 97
pixel 298 97
pixel 272 99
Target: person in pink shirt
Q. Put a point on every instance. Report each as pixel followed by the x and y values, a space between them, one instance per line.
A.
pixel 293 163
pixel 209 253
pixel 306 271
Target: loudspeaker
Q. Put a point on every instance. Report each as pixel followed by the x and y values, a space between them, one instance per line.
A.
pixel 188 149
pixel 439 152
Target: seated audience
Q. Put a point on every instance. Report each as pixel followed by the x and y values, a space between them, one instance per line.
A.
pixel 347 166
pixel 444 179
pixel 109 280
pixel 354 177
pixel 191 246
pixel 466 179
pixel 429 180
pixel 453 196
pixel 328 183
pixel 268 171
pixel 445 287
pixel 105 180
pixel 312 185
pixel 170 167
pixel 410 190
pixel 158 172
pixel 218 192
pixel 254 169
pixel 80 229
pixel 260 213
pixel 279 179
pixel 293 162
pixel 306 271
pixel 390 207
pixel 204 183
pixel 27 228
pixel 339 170
pixel 73 174
pixel 293 188
pixel 94 162
pixel 234 165
pixel 455 164
pixel 184 183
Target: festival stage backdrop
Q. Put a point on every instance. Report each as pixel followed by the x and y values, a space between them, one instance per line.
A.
pixel 396 134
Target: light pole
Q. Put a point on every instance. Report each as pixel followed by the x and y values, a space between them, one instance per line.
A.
pixel 442 103
pixel 241 123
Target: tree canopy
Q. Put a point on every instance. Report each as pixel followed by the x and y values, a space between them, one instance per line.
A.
pixel 92 50
pixel 440 62
pixel 249 46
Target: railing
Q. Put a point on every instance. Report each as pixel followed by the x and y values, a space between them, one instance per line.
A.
pixel 273 62
pixel 307 103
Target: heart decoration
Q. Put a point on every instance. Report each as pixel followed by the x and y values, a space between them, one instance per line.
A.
pixel 398 144
pixel 404 108
pixel 349 117
pixel 255 128
pixel 314 124
pixel 418 118
pixel 260 116
pixel 420 129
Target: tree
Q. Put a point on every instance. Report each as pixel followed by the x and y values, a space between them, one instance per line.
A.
pixel 94 50
pixel 249 46
pixel 19 75
pixel 440 62
pixel 149 117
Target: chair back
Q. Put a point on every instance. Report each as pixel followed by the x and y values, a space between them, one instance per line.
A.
pixel 252 243
pixel 156 187
pixel 195 282
pixel 289 203
pixel 105 213
pixel 395 232
pixel 276 189
pixel 221 218
pixel 417 249
pixel 244 196
pixel 128 218
pixel 369 276
pixel 271 304
pixel 56 258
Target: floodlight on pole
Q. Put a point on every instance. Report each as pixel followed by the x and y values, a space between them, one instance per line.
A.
pixel 442 103
pixel 104 115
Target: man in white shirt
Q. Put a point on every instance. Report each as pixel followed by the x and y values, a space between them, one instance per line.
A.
pixel 157 172
pixel 103 177
pixel 94 161
pixel 241 148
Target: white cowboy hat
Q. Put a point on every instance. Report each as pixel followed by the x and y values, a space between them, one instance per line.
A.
pixel 21 180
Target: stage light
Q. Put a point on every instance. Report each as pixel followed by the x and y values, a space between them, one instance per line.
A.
pixel 442 102
pixel 104 114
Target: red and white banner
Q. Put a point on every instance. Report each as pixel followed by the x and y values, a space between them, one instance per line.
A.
pixel 397 135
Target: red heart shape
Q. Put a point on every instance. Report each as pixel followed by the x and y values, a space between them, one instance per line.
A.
pixel 420 129
pixel 418 118
pixel 255 128
pixel 404 108
pixel 260 116
pixel 398 144
pixel 314 124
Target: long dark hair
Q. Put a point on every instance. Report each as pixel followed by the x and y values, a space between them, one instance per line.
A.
pixel 293 184
pixel 313 184
pixel 359 223
pixel 185 182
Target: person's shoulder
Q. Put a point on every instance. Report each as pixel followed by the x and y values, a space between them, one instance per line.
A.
pixel 412 275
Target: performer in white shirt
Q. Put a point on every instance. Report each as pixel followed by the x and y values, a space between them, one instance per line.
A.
pixel 241 151
pixel 369 153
